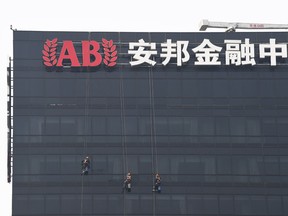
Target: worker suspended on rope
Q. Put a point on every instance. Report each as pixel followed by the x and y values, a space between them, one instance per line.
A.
pixel 85 166
pixel 157 184
pixel 127 185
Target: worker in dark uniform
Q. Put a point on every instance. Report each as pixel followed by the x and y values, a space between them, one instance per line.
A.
pixel 127 185
pixel 85 166
pixel 157 184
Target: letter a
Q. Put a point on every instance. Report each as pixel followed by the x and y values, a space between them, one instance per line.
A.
pixel 68 52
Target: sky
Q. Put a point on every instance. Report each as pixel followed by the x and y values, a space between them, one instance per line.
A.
pixel 113 15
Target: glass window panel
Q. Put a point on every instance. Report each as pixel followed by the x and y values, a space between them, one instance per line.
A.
pixel 99 125
pixel 258 205
pixel 70 164
pixel 36 204
pixel 224 165
pixel 222 126
pixel 52 204
pixel 175 125
pixel 145 163
pixel 177 164
pixel 75 125
pixel 274 205
pixel 133 164
pixel 237 126
pixel 37 164
pixel 161 125
pixel 206 126
pixel 114 125
pixel 269 127
pixel 192 165
pixel 190 126
pixel 255 165
pixel 253 127
pixel 36 125
pixel 271 165
pixel 106 88
pixel 250 88
pixel 235 88
pixel 242 205
pixel 21 164
pixel 100 164
pixel 209 163
pixel 115 204
pixel 70 204
pixel 204 87
pixel 220 88
pixel 144 125
pixel 164 205
pixel 132 204
pixel 115 165
pixel 195 205
pixel 210 204
pixel 52 164
pixel 226 205
pixel 87 207
pixel 145 205
pixel 136 87
pixel 285 205
pixel 178 204
pixel 52 126
pixel 282 126
pixel 20 203
pixel 100 204
pixel 21 125
pixel 283 165
pixel 164 163
pixel 52 87
pixel 131 124
pixel 239 165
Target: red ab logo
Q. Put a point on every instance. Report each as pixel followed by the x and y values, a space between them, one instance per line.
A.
pixel 91 56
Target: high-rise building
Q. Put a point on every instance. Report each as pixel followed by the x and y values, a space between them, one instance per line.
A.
pixel 207 111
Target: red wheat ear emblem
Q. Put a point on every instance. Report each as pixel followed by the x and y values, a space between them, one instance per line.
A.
pixel 49 52
pixel 110 52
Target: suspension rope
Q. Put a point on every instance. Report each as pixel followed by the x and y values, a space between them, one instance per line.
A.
pixel 123 126
pixel 123 141
pixel 154 157
pixel 86 113
pixel 123 134
pixel 154 124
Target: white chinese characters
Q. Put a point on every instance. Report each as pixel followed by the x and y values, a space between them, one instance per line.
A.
pixel 236 52
pixel 144 52
pixel 207 53
pixel 273 50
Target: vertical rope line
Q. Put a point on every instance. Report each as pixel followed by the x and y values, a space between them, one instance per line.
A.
pixel 123 142
pixel 123 132
pixel 154 124
pixel 86 113
pixel 87 87
pixel 82 191
pixel 151 121
pixel 152 128
pixel 152 137
pixel 123 124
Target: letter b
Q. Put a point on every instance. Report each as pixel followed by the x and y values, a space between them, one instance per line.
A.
pixel 89 49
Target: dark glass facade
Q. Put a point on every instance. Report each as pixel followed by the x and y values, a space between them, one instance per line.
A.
pixel 216 134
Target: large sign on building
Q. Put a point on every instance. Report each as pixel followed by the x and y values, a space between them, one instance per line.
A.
pixel 236 52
